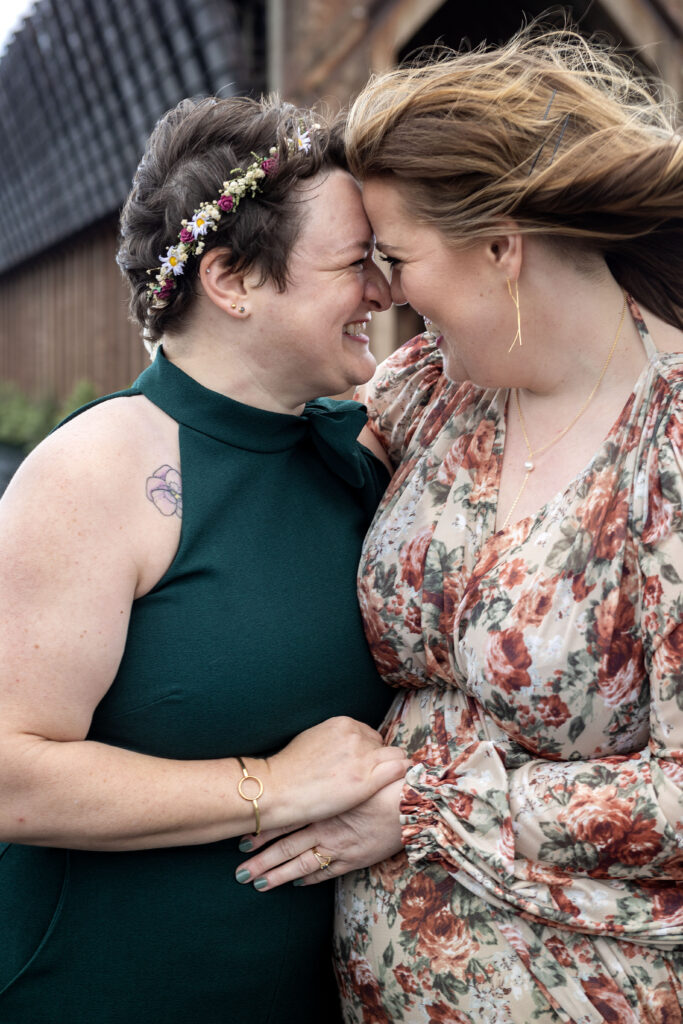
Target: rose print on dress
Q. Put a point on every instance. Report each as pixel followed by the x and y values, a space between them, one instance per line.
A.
pixel 507 660
pixel 165 491
pixel 551 654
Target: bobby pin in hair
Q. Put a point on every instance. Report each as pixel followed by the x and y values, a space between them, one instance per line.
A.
pixel 557 144
pixel 562 131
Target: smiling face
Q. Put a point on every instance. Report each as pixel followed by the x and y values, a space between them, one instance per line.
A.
pixel 312 335
pixel 458 289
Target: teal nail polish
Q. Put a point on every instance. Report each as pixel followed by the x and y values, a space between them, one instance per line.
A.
pixel 260 883
pixel 298 881
pixel 242 875
pixel 245 845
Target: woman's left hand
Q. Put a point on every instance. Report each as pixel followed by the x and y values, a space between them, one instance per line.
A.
pixel 362 836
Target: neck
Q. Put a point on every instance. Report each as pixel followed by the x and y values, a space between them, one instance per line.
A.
pixel 570 325
pixel 221 365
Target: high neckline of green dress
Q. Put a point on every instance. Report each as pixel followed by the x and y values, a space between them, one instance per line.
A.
pixel 332 426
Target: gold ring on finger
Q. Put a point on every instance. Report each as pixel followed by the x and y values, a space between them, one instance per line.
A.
pixel 324 862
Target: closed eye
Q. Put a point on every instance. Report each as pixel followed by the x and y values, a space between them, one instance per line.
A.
pixel 391 260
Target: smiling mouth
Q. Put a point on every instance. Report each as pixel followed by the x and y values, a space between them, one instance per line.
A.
pixel 356 329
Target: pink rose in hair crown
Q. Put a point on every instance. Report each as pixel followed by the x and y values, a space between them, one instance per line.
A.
pixel 191 238
pixel 166 288
pixel 164 489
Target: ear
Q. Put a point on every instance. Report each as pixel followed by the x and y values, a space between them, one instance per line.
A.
pixel 225 288
pixel 504 252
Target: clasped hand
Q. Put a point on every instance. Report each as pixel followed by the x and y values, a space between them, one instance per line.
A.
pixel 325 770
pixel 351 840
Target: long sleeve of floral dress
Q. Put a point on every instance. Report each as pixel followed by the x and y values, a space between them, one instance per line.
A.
pixel 548 753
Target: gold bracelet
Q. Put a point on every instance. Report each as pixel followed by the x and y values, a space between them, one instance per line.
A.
pixel 250 799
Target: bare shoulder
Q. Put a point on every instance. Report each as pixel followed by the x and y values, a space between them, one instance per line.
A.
pixel 85 489
pixel 95 457
pixel 122 422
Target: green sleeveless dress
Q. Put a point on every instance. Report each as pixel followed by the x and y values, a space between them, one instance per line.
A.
pixel 252 635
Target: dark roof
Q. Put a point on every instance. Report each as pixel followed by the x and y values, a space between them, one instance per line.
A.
pixel 82 84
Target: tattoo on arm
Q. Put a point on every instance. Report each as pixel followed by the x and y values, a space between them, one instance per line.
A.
pixel 165 491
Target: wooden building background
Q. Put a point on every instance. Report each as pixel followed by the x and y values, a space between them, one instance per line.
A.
pixel 83 81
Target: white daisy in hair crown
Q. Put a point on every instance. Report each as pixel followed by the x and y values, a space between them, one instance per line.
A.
pixel 207 217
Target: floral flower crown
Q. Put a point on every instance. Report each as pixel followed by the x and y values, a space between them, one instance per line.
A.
pixel 207 217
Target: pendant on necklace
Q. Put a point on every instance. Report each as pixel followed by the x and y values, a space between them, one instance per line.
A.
pixel 528 465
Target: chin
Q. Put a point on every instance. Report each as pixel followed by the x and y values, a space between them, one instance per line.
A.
pixel 343 388
pixel 349 375
pixel 343 396
pixel 363 369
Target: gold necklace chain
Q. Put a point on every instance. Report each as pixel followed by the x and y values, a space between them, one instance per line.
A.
pixel 529 463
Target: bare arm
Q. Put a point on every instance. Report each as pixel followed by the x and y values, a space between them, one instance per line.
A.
pixel 75 534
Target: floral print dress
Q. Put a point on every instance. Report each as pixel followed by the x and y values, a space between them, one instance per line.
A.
pixel 540 676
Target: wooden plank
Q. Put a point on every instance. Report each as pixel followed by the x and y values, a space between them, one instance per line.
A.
pixel 651 36
pixel 396 27
pixel 63 318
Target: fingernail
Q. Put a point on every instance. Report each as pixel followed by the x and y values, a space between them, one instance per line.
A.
pixel 298 881
pixel 245 845
pixel 242 875
pixel 260 883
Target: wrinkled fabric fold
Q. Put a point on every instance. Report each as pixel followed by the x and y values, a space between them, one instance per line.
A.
pixel 334 429
pixel 460 816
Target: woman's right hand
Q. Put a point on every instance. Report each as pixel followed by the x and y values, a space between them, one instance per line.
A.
pixel 326 770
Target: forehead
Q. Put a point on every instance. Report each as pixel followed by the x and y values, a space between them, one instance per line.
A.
pixel 384 204
pixel 334 217
pixel 393 223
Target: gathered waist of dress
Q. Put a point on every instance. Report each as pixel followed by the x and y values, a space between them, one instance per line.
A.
pixel 437 723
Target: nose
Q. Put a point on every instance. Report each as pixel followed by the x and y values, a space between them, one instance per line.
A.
pixel 376 294
pixel 397 296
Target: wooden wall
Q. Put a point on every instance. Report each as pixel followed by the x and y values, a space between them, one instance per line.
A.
pixel 63 314
pixel 63 318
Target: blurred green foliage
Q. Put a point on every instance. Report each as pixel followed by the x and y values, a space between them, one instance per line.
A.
pixel 25 421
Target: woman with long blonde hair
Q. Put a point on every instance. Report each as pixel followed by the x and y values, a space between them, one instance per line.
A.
pixel 521 581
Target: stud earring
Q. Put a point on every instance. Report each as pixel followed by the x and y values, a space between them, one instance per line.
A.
pixel 515 299
pixel 208 270
pixel 233 305
pixel 241 309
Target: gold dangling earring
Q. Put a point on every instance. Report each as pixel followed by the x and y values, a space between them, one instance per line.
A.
pixel 515 299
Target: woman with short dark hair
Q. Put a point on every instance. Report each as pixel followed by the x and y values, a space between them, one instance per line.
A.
pixel 182 652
